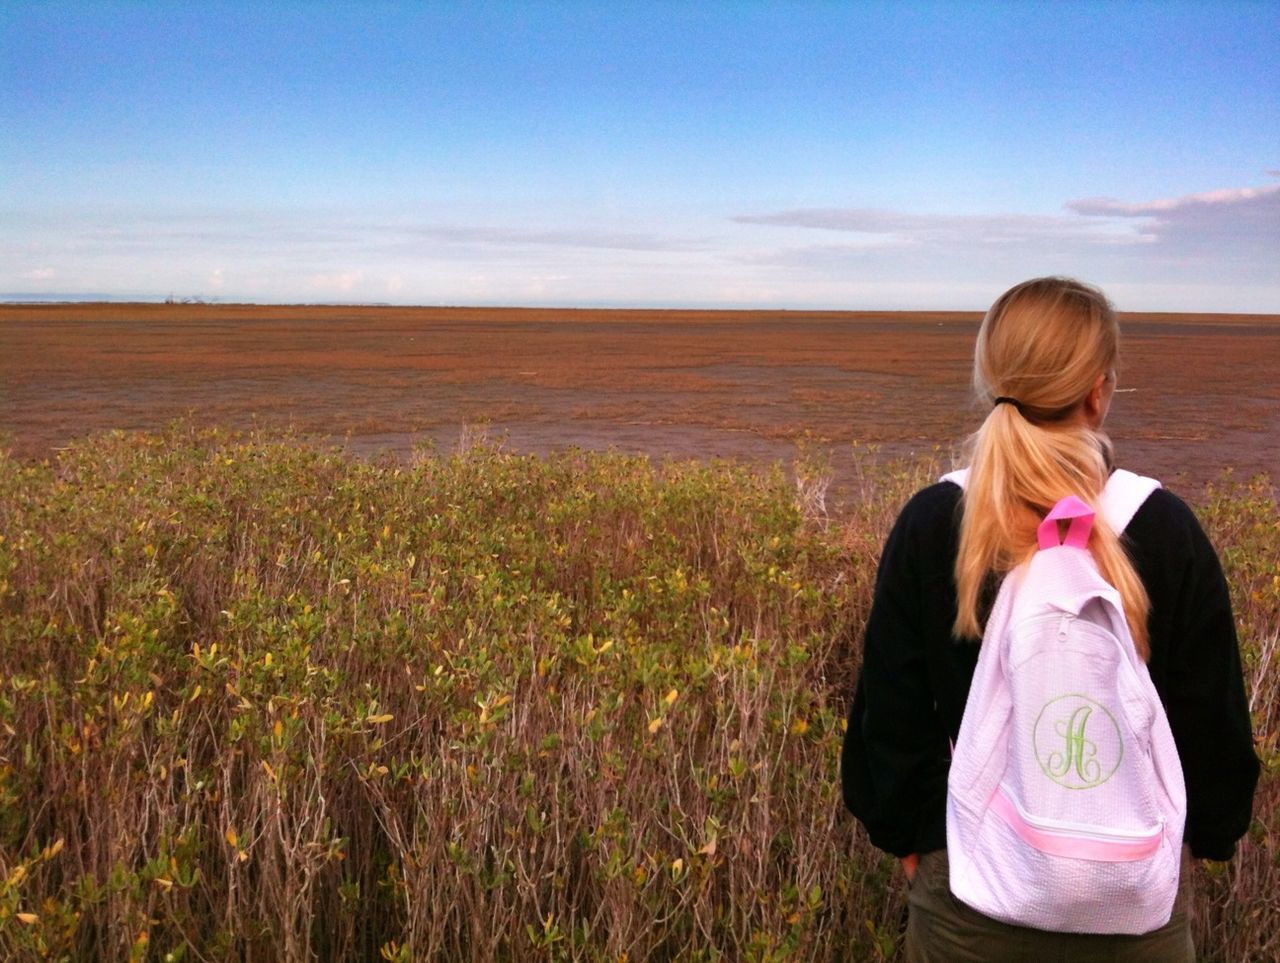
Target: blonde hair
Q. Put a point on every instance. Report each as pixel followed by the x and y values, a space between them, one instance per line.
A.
pixel 1040 350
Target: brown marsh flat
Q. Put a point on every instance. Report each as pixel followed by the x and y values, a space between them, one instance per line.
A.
pixel 1199 392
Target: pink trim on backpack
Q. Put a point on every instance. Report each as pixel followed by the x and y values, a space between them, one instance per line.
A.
pixel 1071 844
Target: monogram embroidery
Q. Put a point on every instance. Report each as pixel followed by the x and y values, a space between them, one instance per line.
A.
pixel 1077 742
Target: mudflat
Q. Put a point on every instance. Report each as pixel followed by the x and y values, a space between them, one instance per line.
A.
pixel 1199 392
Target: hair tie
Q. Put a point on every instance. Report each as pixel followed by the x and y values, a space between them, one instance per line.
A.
pixel 1008 401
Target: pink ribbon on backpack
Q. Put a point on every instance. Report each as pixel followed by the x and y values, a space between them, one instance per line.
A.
pixel 1068 509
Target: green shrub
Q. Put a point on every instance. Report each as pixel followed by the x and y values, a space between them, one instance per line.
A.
pixel 260 699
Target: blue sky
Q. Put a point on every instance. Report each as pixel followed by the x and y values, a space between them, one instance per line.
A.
pixel 714 154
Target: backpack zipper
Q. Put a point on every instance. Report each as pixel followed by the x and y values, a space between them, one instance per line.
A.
pixel 1033 830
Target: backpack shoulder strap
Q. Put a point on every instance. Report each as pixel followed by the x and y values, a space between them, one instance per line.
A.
pixel 1123 495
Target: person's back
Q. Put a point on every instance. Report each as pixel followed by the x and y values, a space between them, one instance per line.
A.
pixel 1045 360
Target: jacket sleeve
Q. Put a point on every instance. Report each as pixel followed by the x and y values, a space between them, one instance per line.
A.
pixel 891 746
pixel 1206 703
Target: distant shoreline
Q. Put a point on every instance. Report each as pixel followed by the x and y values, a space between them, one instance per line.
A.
pixel 177 310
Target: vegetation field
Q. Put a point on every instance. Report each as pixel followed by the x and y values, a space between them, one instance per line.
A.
pixel 262 700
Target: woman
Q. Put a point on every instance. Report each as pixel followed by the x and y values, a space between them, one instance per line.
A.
pixel 1045 362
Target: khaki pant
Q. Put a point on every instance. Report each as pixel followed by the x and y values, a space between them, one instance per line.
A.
pixel 941 929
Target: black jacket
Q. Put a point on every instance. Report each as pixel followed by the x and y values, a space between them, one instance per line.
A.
pixel 915 677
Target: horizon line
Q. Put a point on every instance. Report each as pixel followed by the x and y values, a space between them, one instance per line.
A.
pixel 90 300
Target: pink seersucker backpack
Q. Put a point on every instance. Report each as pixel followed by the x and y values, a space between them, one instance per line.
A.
pixel 1065 800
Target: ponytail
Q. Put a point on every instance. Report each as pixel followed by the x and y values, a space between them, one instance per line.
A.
pixel 1040 348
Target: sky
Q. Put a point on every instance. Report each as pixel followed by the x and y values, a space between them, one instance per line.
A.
pixel 802 155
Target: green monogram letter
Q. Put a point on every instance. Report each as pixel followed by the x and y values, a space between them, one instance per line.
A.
pixel 1067 753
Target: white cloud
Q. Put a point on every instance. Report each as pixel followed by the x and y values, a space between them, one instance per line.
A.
pixel 316 241
pixel 553 237
pixel 1250 214
pixel 887 228
pixel 1223 238
pixel 1231 196
pixel 341 281
pixel 1212 250
pixel 1234 232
